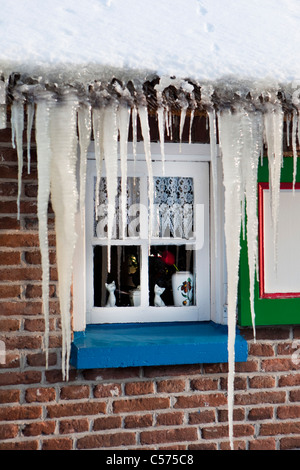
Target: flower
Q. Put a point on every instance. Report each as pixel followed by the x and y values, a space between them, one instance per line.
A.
pixel 186 286
pixel 169 259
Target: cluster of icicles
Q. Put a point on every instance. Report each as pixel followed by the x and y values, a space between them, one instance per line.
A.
pixel 61 125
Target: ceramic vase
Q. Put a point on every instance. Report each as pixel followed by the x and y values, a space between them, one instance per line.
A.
pixel 183 286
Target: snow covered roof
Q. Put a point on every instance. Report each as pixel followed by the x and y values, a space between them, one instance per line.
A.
pixel 197 39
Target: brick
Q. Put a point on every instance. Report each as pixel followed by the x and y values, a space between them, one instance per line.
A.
pixel 57 444
pixel 139 388
pixel 25 445
pixel 204 446
pixel 138 421
pixel 168 435
pixel 289 380
pixel 240 383
pixel 9 223
pixel 260 413
pixel 20 308
pixel 218 432
pixel 165 371
pixel 75 409
pixel 238 415
pixel 170 386
pixel 15 240
pixel 262 444
pixel 110 390
pixel 8 431
pixel 19 378
pixel 288 412
pixel 260 398
pixel 262 382
pixel 200 417
pixel 140 404
pixel 170 419
pixel 195 401
pixel 290 443
pixel 74 392
pixel 73 426
pixel 109 422
pixel 114 374
pixel 106 440
pixel 278 365
pixel 294 395
pixel 9 325
pixel 204 384
pixel 37 324
pixel 9 396
pixel 40 395
pixel 273 429
pixel 39 428
pixel 10 258
pixel 10 291
pixel 39 359
pixel 8 189
pixel 16 413
pixel 23 342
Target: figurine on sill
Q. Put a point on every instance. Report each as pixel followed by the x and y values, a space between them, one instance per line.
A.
pixel 158 291
pixel 111 302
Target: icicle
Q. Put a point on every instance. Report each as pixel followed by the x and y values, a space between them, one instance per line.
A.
pixel 123 123
pixel 273 123
pixel 252 132
pixel 214 168
pixel 30 116
pixel 17 128
pixel 294 146
pixel 229 131
pixel 42 136
pixel 64 201
pixel 161 129
pixel 181 126
pixel 98 139
pixel 84 133
pixel 143 113
pixel 191 125
pixel 134 136
pixel 288 130
pixel 3 109
pixel 110 148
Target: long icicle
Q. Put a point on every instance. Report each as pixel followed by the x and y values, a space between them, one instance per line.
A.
pixel 17 125
pixel 30 116
pixel 161 130
pixel 63 126
pixel 84 133
pixel 229 132
pixel 97 121
pixel 42 135
pixel 123 123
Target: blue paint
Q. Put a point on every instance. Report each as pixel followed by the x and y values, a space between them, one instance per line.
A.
pixel 150 344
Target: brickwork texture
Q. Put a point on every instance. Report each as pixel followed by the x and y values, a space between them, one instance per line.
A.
pixel 176 407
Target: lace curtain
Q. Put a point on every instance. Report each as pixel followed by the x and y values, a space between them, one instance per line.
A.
pixel 172 211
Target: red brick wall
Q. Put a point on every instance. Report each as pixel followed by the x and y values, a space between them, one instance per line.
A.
pixel 178 407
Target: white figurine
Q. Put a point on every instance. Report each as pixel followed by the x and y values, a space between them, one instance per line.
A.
pixel 111 301
pixel 158 291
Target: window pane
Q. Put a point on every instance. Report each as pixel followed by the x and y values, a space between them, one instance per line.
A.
pixel 120 287
pixel 165 264
pixel 132 210
pixel 173 207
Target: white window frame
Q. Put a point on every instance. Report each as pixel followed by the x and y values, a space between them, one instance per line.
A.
pixel 83 310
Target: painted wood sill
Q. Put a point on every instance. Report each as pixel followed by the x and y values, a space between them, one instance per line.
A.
pixel 150 344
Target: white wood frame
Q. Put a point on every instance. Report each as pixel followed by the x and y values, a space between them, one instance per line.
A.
pixel 214 283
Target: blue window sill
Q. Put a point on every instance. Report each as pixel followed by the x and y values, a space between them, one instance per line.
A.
pixel 150 344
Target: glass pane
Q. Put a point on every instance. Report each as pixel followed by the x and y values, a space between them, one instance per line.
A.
pixel 171 276
pixel 132 210
pixel 173 207
pixel 120 287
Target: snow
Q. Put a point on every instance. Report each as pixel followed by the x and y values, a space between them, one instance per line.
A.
pixel 201 39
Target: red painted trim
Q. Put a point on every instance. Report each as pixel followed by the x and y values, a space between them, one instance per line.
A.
pixel 262 293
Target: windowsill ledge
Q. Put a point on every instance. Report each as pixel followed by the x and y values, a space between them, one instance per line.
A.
pixel 150 344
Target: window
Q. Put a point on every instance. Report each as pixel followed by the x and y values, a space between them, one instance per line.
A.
pixel 277 298
pixel 120 317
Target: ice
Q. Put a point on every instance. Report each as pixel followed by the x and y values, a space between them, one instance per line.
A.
pixel 110 150
pixel 97 119
pixel 231 145
pixel 123 124
pixel 84 134
pixel 191 125
pixel 294 145
pixel 181 125
pixel 3 109
pixel 273 128
pixel 161 130
pixel 64 197
pixel 17 128
pixel 214 167
pixel 143 114
pixel 134 115
pixel 42 135
pixel 30 116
